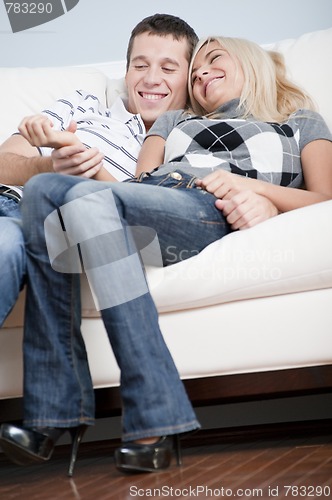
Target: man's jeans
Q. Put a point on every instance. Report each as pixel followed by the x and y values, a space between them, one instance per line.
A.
pixel 57 383
pixel 12 255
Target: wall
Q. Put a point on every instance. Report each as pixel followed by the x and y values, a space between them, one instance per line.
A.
pixel 98 30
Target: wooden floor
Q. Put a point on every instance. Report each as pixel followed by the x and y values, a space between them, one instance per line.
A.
pixel 263 463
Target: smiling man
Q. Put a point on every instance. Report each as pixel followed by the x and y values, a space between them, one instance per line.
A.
pixel 158 58
pixel 155 79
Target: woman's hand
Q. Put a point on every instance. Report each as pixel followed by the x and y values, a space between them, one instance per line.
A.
pixel 224 184
pixel 38 131
pixel 242 206
pixel 246 209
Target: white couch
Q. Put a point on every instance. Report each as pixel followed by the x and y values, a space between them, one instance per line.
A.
pixel 248 317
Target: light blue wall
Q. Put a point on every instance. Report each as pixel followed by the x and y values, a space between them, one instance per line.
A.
pixel 98 30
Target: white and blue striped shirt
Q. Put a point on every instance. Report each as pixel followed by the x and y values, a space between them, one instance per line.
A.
pixel 116 132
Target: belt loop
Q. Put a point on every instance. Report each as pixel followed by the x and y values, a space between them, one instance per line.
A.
pixel 142 176
pixel 9 193
pixel 191 182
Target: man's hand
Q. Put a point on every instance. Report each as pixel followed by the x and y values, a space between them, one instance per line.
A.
pixel 246 209
pixel 77 160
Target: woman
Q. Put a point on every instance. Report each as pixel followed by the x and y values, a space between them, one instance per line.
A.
pixel 258 125
pixel 256 139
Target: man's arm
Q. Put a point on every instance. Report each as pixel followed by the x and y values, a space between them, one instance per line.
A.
pixel 20 158
pixel 19 161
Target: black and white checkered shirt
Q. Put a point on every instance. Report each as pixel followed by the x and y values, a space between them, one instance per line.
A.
pixel 266 151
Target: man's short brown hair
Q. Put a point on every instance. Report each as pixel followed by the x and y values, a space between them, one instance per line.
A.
pixel 163 25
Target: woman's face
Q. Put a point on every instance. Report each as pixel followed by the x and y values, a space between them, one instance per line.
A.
pixel 216 77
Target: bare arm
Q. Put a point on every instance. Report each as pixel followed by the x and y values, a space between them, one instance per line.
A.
pixel 19 161
pixel 151 154
pixel 22 159
pixel 104 175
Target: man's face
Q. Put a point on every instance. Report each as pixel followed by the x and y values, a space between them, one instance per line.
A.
pixel 157 76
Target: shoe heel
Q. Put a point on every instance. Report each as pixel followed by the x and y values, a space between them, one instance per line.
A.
pixel 139 457
pixel 77 434
pixel 177 449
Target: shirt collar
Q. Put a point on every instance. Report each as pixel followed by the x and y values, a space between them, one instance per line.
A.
pixel 119 112
pixel 230 109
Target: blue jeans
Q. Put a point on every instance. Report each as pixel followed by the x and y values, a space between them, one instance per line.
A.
pixel 57 383
pixel 12 255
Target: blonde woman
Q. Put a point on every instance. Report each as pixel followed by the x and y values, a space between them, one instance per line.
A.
pixel 258 133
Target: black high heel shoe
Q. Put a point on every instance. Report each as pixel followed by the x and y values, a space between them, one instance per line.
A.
pixel 27 446
pixel 138 457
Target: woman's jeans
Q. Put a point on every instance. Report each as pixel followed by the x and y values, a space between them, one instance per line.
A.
pixel 99 227
pixel 12 255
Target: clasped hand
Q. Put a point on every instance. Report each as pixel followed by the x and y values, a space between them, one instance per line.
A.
pixel 237 199
pixel 69 155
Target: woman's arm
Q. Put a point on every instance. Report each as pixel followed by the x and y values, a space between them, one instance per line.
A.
pixel 104 175
pixel 151 154
pixel 316 158
pixel 39 132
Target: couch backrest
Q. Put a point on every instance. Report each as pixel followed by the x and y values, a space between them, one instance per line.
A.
pixel 25 91
pixel 308 62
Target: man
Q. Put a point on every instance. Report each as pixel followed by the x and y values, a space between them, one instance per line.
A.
pixel 158 58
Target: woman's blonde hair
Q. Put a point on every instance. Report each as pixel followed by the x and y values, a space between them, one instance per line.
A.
pixel 267 93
